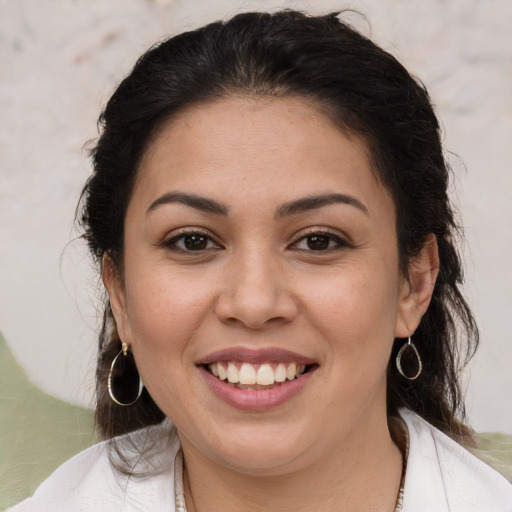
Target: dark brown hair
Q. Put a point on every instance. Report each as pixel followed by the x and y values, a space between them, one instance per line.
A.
pixel 367 92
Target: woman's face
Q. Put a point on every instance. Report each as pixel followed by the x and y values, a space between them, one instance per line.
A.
pixel 259 246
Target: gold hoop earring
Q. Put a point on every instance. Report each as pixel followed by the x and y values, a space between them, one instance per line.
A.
pixel 407 350
pixel 124 383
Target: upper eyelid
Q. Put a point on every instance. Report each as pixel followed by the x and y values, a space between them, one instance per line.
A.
pixel 189 230
pixel 176 235
pixel 340 241
pixel 335 234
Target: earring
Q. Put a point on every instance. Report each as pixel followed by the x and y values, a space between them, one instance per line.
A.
pixel 124 384
pixel 408 351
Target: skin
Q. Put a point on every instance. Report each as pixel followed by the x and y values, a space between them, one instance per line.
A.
pixel 257 283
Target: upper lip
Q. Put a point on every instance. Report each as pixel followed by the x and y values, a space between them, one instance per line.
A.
pixel 255 356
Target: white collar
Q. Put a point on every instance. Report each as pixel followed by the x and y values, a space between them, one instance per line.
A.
pixel 442 476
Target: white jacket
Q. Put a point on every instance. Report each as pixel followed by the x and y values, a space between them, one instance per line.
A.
pixel 441 476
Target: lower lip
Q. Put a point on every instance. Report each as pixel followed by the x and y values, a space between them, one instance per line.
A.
pixel 256 399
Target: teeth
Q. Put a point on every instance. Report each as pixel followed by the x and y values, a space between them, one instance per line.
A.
pixel 280 375
pixel 291 371
pixel 246 374
pixel 221 371
pixel 265 375
pixel 233 373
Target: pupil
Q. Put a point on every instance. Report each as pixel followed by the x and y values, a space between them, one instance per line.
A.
pixel 195 242
pixel 318 242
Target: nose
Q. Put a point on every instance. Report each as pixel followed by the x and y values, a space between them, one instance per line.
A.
pixel 256 292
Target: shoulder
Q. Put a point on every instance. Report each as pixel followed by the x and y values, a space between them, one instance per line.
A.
pixel 89 482
pixel 443 476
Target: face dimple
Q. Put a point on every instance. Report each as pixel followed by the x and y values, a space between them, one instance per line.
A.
pixel 250 232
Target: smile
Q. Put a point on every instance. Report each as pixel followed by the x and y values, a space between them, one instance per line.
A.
pixel 245 375
pixel 256 379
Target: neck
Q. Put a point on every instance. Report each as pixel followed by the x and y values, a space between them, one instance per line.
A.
pixel 363 474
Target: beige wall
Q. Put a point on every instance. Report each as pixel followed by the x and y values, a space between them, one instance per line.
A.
pixel 59 60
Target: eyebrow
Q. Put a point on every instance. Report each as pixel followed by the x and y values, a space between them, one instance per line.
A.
pixel 287 209
pixel 198 202
pixel 318 201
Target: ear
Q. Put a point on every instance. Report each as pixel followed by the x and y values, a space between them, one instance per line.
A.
pixel 417 289
pixel 114 286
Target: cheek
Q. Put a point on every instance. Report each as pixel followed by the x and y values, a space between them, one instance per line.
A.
pixel 165 314
pixel 164 310
pixel 355 310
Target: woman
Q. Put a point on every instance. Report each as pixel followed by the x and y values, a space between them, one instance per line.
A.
pixel 269 211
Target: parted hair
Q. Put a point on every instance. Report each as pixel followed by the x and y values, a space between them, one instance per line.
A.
pixel 365 91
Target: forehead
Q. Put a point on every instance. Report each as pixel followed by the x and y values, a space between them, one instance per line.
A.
pixel 272 146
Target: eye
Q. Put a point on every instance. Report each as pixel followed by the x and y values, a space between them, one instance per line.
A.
pixel 320 242
pixel 191 242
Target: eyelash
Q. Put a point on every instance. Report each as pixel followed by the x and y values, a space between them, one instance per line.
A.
pixel 172 243
pixel 331 238
pixel 340 243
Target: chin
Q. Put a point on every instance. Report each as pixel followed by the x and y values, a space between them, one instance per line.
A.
pixel 272 461
pixel 261 451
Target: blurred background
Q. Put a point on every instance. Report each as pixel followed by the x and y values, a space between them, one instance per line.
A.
pixel 61 59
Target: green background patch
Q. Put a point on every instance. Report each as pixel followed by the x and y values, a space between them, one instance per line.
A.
pixel 37 431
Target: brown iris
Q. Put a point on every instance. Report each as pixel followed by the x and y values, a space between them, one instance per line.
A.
pixel 195 242
pixel 318 242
